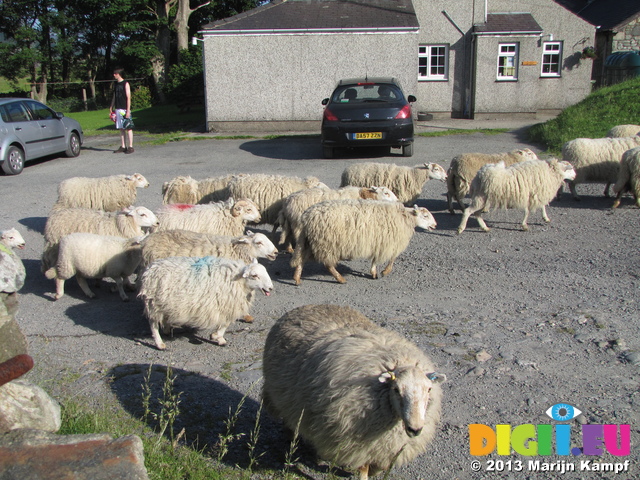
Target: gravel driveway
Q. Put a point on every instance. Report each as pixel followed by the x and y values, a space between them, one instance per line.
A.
pixel 518 321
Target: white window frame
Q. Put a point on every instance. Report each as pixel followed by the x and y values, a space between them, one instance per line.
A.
pixel 434 61
pixel 507 68
pixel 550 50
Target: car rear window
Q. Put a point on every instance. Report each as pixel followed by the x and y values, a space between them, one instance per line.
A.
pixel 14 112
pixel 370 92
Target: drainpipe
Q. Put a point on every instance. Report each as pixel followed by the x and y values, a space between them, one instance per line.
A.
pixel 466 83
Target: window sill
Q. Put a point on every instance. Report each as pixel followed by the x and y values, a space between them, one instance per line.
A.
pixel 433 79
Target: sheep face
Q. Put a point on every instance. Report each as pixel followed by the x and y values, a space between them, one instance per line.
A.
pixel 423 218
pixel 261 246
pixel 527 154
pixel 247 210
pixel 383 193
pixel 435 171
pixel 138 180
pixel 568 172
pixel 257 278
pixel 12 238
pixel 144 217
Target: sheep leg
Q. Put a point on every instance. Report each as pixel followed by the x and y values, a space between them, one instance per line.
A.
pixel 450 203
pixel 336 274
pixel 606 190
pixel 364 472
pixel 374 270
pixel 474 208
pixel 120 284
pixel 572 187
pixel 129 285
pixel 297 274
pixel 524 225
pixel 545 217
pixel 59 288
pixel 218 337
pixel 154 324
pixel 85 286
pixel 481 222
pixel 388 268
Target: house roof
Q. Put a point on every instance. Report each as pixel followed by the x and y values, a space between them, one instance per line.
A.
pixel 508 23
pixel 320 15
pixel 606 14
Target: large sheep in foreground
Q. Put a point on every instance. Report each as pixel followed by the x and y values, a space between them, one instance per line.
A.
pixel 363 397
pixel 184 243
pixel 12 272
pixel 338 230
pixel 104 193
pixel 464 167
pixel 184 189
pixel 268 191
pixel 596 160
pixel 624 131
pixel 221 218
pixel 206 293
pixel 527 186
pixel 628 176
pixel 127 223
pixel 295 204
pixel 87 255
pixel 405 182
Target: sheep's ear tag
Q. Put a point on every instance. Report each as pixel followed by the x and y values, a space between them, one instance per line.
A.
pixel 387 377
pixel 437 377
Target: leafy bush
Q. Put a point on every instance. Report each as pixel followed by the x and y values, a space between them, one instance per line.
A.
pixel 141 97
pixel 185 79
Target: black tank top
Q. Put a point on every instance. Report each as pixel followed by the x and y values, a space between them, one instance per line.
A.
pixel 120 96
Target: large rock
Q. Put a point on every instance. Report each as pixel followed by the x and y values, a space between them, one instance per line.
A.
pixel 37 455
pixel 24 405
pixel 12 340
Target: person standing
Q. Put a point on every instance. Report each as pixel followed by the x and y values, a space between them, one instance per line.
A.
pixel 121 104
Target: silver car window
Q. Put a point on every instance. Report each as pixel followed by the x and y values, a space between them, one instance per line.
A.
pixel 17 113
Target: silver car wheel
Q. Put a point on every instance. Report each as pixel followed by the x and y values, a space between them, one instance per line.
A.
pixel 14 163
pixel 73 147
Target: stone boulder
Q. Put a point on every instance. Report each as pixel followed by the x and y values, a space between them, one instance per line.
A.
pixel 24 405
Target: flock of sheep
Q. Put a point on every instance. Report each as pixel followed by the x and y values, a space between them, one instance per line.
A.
pixel 374 398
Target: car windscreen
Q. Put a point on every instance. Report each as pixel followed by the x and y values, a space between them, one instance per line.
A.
pixel 369 92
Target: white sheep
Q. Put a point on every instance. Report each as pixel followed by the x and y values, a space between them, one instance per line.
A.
pixel 628 176
pixel 624 131
pixel 184 243
pixel 221 218
pixel 464 167
pixel 104 193
pixel 405 182
pixel 127 223
pixel 184 189
pixel 200 292
pixel 12 272
pixel 596 160
pixel 268 191
pixel 295 204
pixel 87 255
pixel 527 186
pixel 362 396
pixel 338 230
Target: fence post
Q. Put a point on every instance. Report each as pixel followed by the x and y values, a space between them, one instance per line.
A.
pixel 84 98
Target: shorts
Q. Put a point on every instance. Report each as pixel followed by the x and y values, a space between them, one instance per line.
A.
pixel 119 118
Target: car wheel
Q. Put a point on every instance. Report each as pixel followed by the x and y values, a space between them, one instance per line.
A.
pixel 327 152
pixel 14 162
pixel 73 146
pixel 407 150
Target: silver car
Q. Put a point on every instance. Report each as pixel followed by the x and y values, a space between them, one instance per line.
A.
pixel 31 130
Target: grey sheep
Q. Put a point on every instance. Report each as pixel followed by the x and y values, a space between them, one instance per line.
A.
pixel 527 186
pixel 221 218
pixel 405 182
pixel 294 205
pixel 205 293
pixel 464 167
pixel 12 272
pixel 338 230
pixel 268 191
pixel 362 396
pixel 87 255
pixel 103 193
pixel 127 223
pixel 628 176
pixel 624 131
pixel 596 160
pixel 184 189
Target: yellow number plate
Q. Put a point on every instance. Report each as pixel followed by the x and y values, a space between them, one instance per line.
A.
pixel 368 135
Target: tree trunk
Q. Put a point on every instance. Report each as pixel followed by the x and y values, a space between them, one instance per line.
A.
pixel 181 23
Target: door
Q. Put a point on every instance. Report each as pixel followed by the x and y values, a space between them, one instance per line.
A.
pixel 51 128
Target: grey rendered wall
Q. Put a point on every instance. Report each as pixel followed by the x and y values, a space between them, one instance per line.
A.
pixel 277 82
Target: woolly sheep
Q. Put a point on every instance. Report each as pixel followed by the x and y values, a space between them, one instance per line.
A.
pixel 184 243
pixel 628 176
pixel 104 193
pixel 295 204
pixel 338 230
pixel 184 189
pixel 221 218
pixel 624 131
pixel 405 182
pixel 527 185
pixel 463 169
pixel 596 160
pixel 127 223
pixel 87 255
pixel 362 396
pixel 268 191
pixel 203 293
pixel 12 272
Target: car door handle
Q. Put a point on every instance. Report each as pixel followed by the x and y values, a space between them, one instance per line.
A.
pixel 18 128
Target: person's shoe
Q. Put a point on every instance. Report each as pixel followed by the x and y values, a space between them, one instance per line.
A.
pixel 129 150
pixel 120 150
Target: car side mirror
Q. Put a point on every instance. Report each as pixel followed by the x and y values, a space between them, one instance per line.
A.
pixel 59 115
pixel 325 101
pixel 411 99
